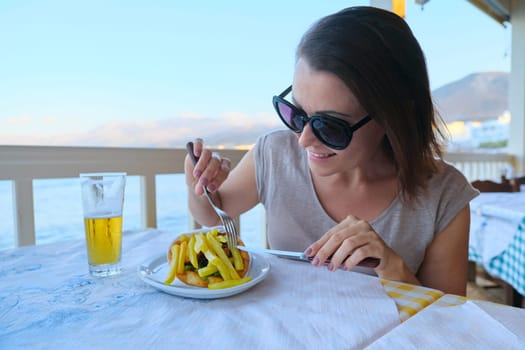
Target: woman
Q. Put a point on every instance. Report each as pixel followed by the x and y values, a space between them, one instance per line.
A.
pixel 360 174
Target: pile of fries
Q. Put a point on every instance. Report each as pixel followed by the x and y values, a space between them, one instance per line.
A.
pixel 204 253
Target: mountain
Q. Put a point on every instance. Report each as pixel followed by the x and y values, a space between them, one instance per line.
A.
pixel 477 97
pixel 230 130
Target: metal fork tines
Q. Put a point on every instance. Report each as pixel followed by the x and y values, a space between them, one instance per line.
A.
pixel 227 221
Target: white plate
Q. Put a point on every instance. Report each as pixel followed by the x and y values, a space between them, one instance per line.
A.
pixel 154 272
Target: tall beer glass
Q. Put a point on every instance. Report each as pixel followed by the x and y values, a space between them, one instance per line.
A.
pixel 102 202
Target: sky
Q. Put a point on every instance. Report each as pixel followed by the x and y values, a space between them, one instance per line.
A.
pixel 67 67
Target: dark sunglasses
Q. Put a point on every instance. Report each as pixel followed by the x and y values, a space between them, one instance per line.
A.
pixel 331 131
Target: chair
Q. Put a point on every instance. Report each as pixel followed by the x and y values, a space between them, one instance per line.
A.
pixel 516 183
pixel 512 297
pixel 491 186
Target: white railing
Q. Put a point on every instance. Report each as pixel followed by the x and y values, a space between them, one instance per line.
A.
pixel 483 166
pixel 23 164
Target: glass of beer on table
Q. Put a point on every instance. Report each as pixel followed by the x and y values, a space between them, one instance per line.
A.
pixel 102 202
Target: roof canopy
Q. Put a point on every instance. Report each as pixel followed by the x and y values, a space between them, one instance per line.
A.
pixel 499 10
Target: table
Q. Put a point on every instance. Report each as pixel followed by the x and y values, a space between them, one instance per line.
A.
pixel 49 301
pixel 497 236
pixel 447 324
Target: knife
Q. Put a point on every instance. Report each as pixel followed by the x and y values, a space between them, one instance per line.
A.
pixel 367 262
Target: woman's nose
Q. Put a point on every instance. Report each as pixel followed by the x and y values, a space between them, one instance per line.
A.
pixel 306 137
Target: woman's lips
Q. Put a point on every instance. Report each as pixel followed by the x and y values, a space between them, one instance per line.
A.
pixel 314 155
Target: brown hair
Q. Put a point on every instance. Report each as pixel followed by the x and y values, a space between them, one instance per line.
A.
pixel 375 53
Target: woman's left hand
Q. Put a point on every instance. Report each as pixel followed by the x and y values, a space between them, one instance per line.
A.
pixel 350 242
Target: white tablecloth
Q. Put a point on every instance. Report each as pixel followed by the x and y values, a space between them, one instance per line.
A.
pixel 497 235
pixel 48 301
pixel 495 220
pixel 470 325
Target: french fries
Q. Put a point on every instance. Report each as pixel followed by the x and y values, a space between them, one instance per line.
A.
pixel 229 284
pixel 201 259
pixel 172 273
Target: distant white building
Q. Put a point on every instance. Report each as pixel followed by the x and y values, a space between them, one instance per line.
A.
pixel 472 135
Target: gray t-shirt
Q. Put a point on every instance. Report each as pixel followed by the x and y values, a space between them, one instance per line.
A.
pixel 295 218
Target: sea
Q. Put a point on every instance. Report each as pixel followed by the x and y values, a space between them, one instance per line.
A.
pixel 58 210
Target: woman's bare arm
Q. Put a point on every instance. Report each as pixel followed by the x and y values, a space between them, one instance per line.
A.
pixel 446 259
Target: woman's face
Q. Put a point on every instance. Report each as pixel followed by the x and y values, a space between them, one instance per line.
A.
pixel 321 91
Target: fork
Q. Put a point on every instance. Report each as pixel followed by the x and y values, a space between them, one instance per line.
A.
pixel 227 221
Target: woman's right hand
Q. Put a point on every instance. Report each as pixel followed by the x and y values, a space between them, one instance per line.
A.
pixel 210 170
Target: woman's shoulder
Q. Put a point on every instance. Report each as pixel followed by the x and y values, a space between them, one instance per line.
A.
pixel 279 149
pixel 275 141
pixel 449 180
pixel 448 172
pixel 276 136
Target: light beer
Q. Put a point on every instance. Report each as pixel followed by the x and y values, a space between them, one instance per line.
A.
pixel 102 203
pixel 103 239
